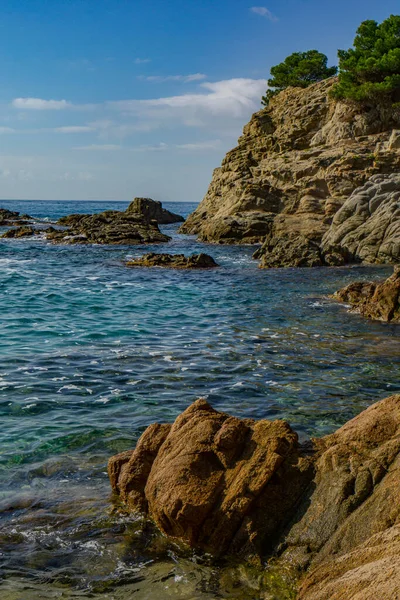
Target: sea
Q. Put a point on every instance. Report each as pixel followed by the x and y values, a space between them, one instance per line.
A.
pixel 92 352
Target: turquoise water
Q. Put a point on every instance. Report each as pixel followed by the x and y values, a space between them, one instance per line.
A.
pixel 92 352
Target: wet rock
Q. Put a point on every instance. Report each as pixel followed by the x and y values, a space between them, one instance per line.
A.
pixel 19 232
pixel 379 301
pixel 230 485
pixel 217 482
pixel 174 261
pixel 12 217
pixel 108 227
pixel 153 211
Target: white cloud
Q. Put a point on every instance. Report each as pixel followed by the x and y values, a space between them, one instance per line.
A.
pixel 227 99
pixel 40 104
pixel 73 129
pixel 183 78
pixel 263 11
pixel 4 130
pixel 101 147
pixel 208 145
pixel 142 61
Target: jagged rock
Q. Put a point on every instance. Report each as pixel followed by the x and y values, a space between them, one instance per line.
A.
pixel 296 163
pixel 19 232
pixel 215 481
pixel 12 217
pixel 367 227
pixel 137 225
pixel 350 524
pixel 153 210
pixel 380 301
pixel 174 261
pixel 330 507
pixel 109 227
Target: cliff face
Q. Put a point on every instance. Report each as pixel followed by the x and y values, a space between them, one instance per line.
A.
pixel 296 163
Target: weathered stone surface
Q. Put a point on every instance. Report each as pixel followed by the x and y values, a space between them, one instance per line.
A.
pixel 350 522
pixel 380 301
pixel 296 163
pixel 174 261
pixel 231 485
pixel 109 227
pixel 367 227
pixel 217 482
pixel 153 211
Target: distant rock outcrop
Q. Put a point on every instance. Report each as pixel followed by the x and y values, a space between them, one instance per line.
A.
pixel 108 227
pixel 13 217
pixel 174 261
pixel 153 211
pixel 137 225
pixel 379 301
pixel 296 164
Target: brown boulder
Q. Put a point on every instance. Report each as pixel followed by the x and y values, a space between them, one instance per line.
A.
pixel 379 301
pixel 174 261
pixel 231 485
pixel 217 482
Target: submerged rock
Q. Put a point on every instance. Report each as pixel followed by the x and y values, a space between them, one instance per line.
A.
pixel 228 485
pixel 380 301
pixel 153 211
pixel 296 164
pixel 174 261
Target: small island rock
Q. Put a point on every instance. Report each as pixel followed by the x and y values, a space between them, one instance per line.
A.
pixel 174 261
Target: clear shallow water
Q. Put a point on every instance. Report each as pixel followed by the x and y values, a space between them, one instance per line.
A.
pixel 92 352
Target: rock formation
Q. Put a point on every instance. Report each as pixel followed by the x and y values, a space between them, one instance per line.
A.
pixel 13 217
pixel 153 211
pixel 137 225
pixel 329 507
pixel 379 301
pixel 295 165
pixel 108 227
pixel 174 261
pixel 215 481
pixel 367 227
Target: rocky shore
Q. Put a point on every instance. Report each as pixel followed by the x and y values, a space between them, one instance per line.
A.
pixel 328 508
pixel 310 179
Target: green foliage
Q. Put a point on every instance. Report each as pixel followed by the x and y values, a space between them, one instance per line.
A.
pixel 372 68
pixel 300 69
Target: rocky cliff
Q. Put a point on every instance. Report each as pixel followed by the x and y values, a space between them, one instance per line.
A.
pixel 295 165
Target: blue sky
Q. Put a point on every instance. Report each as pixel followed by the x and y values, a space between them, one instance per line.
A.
pixel 110 99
